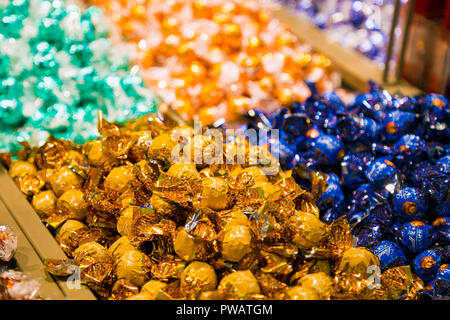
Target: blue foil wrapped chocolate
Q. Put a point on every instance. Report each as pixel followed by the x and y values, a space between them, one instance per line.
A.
pixel 426 265
pixel 390 254
pixel 409 204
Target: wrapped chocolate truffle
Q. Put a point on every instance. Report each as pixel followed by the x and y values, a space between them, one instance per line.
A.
pixel 8 243
pixel 15 285
pixel 133 266
pixel 198 277
pixel 240 284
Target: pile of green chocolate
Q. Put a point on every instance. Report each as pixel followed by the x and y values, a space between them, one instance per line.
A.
pixel 57 70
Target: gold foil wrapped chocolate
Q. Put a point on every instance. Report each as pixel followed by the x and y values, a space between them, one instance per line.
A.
pixel 134 266
pixel 239 285
pixel 149 227
pixel 44 202
pixel 198 277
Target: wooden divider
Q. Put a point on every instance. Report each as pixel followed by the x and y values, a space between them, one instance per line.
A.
pixel 36 243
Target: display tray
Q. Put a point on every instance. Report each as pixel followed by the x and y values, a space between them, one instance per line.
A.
pixel 35 243
pixel 355 68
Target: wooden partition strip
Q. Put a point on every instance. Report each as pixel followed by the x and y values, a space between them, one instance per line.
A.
pixel 37 234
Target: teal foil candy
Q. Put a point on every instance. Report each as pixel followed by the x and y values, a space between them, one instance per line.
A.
pixel 57 70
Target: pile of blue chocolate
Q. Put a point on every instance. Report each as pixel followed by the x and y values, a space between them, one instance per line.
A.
pixel 360 24
pixel 388 163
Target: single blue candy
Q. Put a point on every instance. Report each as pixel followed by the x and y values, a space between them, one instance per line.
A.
pixel 442 280
pixel 409 146
pixel 333 195
pixel 415 236
pixel 390 255
pixel 410 204
pixel 426 264
pixel 370 129
pixel 436 116
pixel 397 123
pixel 441 228
pixel 324 148
pixel 382 173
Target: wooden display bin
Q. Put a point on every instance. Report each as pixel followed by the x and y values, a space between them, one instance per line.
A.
pixel 35 243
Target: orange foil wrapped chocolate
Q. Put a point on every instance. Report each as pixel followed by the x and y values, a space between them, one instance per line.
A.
pixel 217 59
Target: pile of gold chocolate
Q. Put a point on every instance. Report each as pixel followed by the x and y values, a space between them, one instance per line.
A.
pixel 217 59
pixel 139 225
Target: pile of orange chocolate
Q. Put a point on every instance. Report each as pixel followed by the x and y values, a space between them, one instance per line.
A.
pixel 139 225
pixel 217 59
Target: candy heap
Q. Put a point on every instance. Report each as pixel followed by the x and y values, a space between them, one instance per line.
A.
pixel 141 225
pixel 360 24
pixel 387 159
pixel 217 59
pixel 57 70
pixel 14 285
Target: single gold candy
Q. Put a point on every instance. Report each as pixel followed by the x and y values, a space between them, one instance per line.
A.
pixel 236 241
pixel 162 145
pixel 301 293
pixel 125 221
pixel 134 266
pixel 184 170
pixel 123 289
pixel 68 233
pixel 237 217
pixel 307 230
pixel 187 247
pixel 118 179
pixel 240 284
pixel 358 260
pixel 198 275
pixel 21 168
pixel 215 191
pixel 95 154
pixel 152 289
pixel 65 179
pixel 44 202
pixel 73 200
pixel 320 282
pixel 257 174
pixel 119 247
pixel 92 249
pixel 161 206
